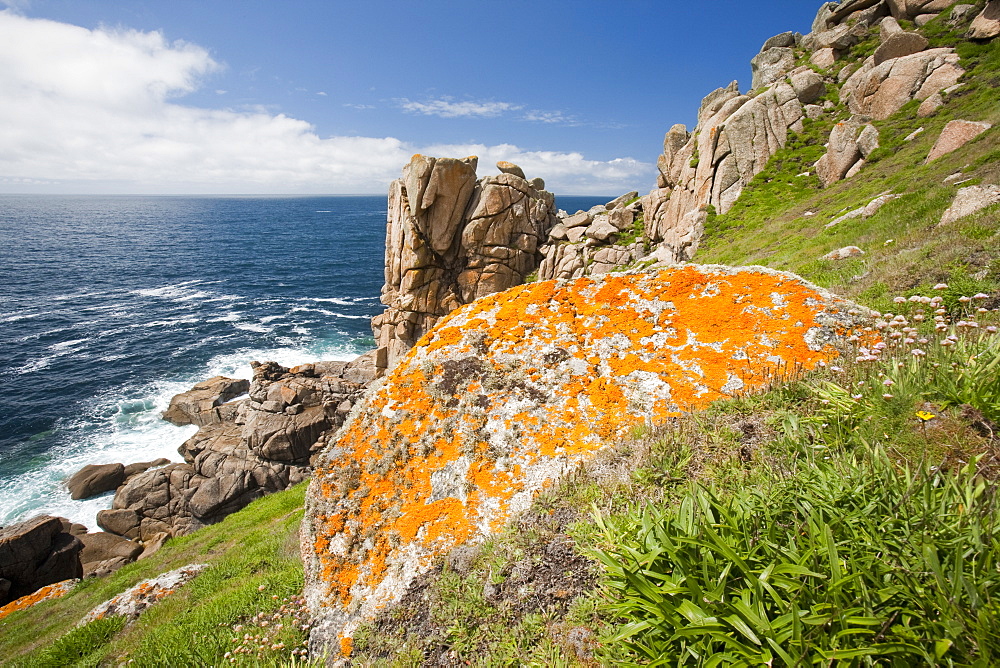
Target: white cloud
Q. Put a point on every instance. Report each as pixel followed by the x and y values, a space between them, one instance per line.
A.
pixel 446 107
pixel 538 116
pixel 99 111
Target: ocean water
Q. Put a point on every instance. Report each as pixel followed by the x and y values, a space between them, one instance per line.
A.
pixel 111 305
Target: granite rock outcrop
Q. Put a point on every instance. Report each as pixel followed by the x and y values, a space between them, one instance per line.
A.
pixel 505 395
pixel 451 239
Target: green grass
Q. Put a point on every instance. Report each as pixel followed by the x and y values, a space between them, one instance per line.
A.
pixel 254 569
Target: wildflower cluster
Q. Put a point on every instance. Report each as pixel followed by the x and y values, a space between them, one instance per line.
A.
pixel 277 635
pixel 925 359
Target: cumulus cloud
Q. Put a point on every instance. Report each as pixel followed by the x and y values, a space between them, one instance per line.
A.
pixel 101 111
pixel 447 107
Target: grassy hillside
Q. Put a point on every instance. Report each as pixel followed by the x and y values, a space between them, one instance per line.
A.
pixel 780 219
pixel 251 587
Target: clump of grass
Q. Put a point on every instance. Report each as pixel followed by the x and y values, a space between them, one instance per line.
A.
pixel 861 563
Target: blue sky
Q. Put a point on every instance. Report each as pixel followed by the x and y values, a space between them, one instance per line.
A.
pixel 218 96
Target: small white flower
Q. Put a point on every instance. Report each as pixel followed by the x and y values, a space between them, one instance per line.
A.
pixel 941 286
pixel 980 295
pixel 899 300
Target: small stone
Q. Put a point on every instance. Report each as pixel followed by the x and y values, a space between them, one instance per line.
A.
pixel 924 19
pixel 843 253
pixel 913 135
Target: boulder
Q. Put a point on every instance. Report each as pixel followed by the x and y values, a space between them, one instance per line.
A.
pixel 908 9
pixel 621 200
pixel 930 106
pixel 200 405
pixel 878 91
pixel 850 9
pixel 140 467
pixel 601 229
pixel 578 219
pixel 106 552
pixel 824 16
pixel 771 65
pixel 969 200
pixel 621 218
pixel 35 553
pixel 95 479
pixel 824 58
pixel 507 394
pixel 785 39
pixel 841 155
pixel 808 86
pixel 955 135
pixel 898 45
pixel 987 24
pixel 510 168
pixel 868 140
pixel 558 232
pixel 924 19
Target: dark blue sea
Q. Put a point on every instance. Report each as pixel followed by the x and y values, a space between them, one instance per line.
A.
pixel 111 305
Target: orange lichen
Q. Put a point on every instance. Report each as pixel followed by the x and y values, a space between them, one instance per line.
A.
pixel 505 394
pixel 44 594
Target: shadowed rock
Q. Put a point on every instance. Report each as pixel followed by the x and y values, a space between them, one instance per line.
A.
pixel 35 553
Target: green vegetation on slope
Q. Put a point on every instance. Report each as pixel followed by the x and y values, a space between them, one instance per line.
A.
pixel 251 586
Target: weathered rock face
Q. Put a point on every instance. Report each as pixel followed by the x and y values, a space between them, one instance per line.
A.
pixel 36 553
pixel 266 446
pixel 505 395
pixel 451 239
pixel 842 154
pixel 881 90
pixel 735 137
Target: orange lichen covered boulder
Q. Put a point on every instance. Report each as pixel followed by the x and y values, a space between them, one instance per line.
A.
pixel 506 394
pixel 44 594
